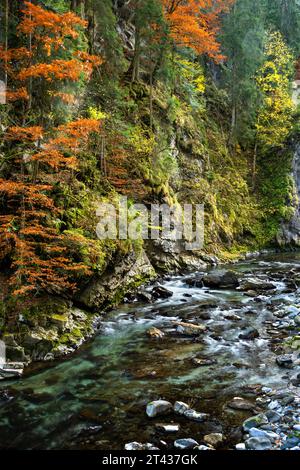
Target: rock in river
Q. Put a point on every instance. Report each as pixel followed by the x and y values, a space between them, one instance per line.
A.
pixel 254 422
pixel 158 408
pixel 185 443
pixel 256 284
pixel 285 360
pixel 250 333
pixel 221 279
pixel 258 443
pixel 167 428
pixel 139 446
pixel 255 432
pixel 190 329
pixel 183 409
pixel 155 333
pixel 160 292
pixel 240 404
pixel 214 439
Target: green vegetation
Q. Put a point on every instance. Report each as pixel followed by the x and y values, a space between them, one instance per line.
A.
pixel 183 117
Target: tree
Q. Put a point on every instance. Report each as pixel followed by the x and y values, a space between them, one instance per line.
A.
pixel 195 24
pixel 242 38
pixel 284 16
pixel 274 120
pixel 39 254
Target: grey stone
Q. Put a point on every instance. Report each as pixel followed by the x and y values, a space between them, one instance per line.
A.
pixel 255 421
pixel 255 432
pixel 158 408
pixel 168 428
pixel 187 443
pixel 256 284
pixel 139 446
pixel 258 443
pixel 221 279
pixel 285 360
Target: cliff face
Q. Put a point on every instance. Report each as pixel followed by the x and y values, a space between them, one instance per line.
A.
pixel 289 233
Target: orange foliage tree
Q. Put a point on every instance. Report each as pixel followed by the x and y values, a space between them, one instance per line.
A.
pixel 29 238
pixel 195 24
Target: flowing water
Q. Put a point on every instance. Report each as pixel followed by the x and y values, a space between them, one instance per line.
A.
pixel 96 399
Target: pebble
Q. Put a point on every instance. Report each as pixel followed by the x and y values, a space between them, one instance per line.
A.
pixel 139 446
pixel 169 428
pixel 240 446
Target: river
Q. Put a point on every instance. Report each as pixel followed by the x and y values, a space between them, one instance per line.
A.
pixel 96 399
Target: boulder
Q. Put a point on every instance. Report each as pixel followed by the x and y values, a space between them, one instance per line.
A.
pixel 144 296
pixel 221 279
pixel 158 408
pixel 196 281
pixel 124 275
pixel 160 292
pixel 256 284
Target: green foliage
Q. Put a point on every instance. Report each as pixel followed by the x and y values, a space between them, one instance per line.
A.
pixel 274 120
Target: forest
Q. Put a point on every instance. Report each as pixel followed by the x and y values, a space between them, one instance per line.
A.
pixel 135 342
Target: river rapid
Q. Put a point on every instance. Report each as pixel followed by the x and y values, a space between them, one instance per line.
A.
pixel 97 398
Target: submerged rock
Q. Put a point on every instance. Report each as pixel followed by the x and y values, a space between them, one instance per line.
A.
pixel 158 408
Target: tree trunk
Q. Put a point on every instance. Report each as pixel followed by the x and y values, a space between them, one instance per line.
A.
pixel 254 166
pixel 6 37
pixel 136 57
